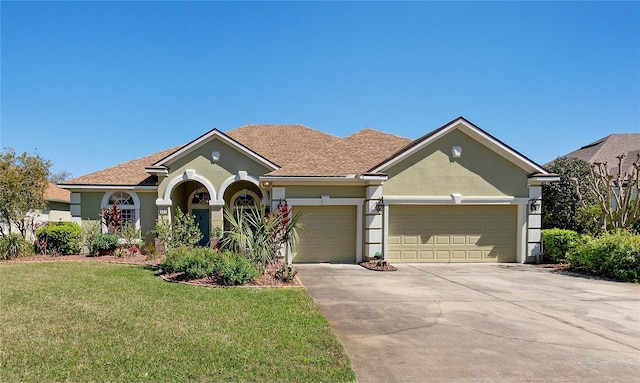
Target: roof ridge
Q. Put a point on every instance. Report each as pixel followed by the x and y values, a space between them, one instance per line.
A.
pixel 365 129
pixel 299 125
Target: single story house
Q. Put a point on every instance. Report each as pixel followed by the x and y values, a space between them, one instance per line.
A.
pixel 58 204
pixel 456 194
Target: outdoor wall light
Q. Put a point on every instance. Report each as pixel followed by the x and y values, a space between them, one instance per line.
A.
pixel 534 205
pixel 379 205
pixel 456 151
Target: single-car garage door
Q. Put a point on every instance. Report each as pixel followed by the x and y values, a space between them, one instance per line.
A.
pixel 452 233
pixel 329 234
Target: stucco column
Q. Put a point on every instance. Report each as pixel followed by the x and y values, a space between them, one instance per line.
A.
pixel 534 223
pixel 373 222
pixel 217 215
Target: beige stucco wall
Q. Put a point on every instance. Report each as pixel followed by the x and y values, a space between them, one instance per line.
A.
pixel 57 211
pixel 316 191
pixel 432 171
pixel 231 161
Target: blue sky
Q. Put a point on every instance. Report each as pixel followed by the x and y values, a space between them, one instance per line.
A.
pixel 93 84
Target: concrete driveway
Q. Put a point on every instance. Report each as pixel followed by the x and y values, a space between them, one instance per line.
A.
pixel 479 323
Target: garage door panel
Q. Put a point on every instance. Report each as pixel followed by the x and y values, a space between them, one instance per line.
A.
pixel 452 233
pixel 329 235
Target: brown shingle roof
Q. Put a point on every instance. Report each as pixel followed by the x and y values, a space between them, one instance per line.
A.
pixel 608 148
pixel 283 144
pixel 54 193
pixel 128 173
pixel 353 155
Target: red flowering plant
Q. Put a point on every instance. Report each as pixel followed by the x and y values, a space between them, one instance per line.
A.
pixel 111 218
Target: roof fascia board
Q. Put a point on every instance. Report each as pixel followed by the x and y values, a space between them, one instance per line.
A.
pixel 107 187
pixel 470 129
pixel 215 133
pixel 293 180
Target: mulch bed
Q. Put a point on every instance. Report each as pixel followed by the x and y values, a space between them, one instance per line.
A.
pixel 265 280
pixel 378 266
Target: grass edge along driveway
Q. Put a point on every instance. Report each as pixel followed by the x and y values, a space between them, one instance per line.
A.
pixel 85 321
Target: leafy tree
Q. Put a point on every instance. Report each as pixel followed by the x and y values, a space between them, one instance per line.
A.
pixel 23 183
pixel 60 176
pixel 560 202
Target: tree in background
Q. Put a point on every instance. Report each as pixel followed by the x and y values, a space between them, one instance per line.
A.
pixel 616 194
pixel 560 202
pixel 60 176
pixel 23 183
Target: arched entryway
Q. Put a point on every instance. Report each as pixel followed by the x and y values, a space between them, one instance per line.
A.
pixel 192 197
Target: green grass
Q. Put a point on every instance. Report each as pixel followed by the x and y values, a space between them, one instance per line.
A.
pixel 85 321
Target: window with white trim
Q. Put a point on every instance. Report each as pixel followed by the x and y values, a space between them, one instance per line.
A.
pixel 128 204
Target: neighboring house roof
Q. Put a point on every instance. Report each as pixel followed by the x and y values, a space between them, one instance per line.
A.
pixel 128 173
pixel 608 148
pixel 54 193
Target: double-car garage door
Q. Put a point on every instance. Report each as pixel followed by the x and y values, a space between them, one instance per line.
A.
pixel 452 233
pixel 329 234
pixel 443 233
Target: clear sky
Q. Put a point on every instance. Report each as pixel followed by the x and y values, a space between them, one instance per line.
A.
pixel 93 84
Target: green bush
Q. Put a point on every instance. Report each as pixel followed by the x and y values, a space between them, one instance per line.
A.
pixel 195 263
pixel 234 269
pixel 14 245
pixel 557 243
pixel 104 242
pixel 610 255
pixel 91 231
pixel 228 268
pixel 61 237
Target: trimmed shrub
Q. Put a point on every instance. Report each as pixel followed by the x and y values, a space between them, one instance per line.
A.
pixel 557 243
pixel 195 263
pixel 104 242
pixel 234 269
pixel 610 255
pixel 14 245
pixel 61 237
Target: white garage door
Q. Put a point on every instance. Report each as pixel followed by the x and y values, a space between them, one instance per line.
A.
pixel 329 234
pixel 452 233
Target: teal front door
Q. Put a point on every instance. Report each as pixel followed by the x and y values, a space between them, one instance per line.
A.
pixel 202 220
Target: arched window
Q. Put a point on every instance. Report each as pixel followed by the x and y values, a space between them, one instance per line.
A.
pixel 245 200
pixel 127 202
pixel 200 197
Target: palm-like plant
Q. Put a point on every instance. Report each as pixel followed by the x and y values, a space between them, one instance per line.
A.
pixel 258 235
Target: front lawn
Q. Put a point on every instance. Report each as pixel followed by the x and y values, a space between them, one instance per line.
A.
pixel 88 321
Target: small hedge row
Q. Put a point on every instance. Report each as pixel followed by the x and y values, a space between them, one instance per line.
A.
pixel 227 268
pixel 609 255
